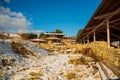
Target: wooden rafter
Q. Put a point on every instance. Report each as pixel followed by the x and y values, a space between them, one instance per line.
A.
pixel 116 24
pixel 103 22
pixel 95 28
pixel 113 21
pixel 104 16
pixel 115 35
pixel 112 15
pixel 101 36
pixel 113 26
pixel 89 28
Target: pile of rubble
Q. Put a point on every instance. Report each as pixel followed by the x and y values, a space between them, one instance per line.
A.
pixel 17 56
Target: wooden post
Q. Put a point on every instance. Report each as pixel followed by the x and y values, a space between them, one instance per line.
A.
pixel 119 42
pixel 84 41
pixel 108 34
pixel 87 39
pixel 94 37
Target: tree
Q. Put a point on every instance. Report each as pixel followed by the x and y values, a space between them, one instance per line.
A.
pixel 79 32
pixel 24 36
pixel 27 36
pixel 58 31
pixel 32 36
pixel 41 35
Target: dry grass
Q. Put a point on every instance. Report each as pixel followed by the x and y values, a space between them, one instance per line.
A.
pixel 97 76
pixel 77 60
pixel 36 74
pixel 70 76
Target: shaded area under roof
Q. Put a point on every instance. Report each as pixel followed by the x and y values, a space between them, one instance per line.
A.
pixel 108 10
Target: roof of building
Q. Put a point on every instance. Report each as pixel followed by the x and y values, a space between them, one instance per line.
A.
pixel 54 34
pixel 38 40
pixel 108 10
pixel 52 38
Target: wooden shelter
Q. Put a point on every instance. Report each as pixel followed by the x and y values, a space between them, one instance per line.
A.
pixel 104 24
pixel 54 37
pixel 38 41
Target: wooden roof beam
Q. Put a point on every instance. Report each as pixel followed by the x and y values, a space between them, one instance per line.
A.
pixel 98 35
pixel 115 35
pixel 111 26
pixel 113 13
pixel 101 36
pixel 104 16
pixel 115 27
pixel 115 20
pixel 94 28
pixel 89 28
pixel 116 24
pixel 100 28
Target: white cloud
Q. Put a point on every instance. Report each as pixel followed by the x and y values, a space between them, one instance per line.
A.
pixel 14 22
pixel 12 19
pixel 7 1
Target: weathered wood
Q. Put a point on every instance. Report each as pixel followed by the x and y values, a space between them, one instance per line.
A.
pixel 84 41
pixel 87 39
pixel 89 28
pixel 115 20
pixel 115 27
pixel 94 36
pixel 104 16
pixel 119 41
pixel 108 34
pixel 101 36
pixel 114 35
pixel 94 28
pixel 116 11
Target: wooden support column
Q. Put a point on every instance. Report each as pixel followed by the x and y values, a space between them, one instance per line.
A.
pixel 87 39
pixel 94 36
pixel 84 41
pixel 108 33
pixel 119 41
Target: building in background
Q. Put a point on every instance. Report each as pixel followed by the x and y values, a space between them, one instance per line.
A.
pixel 15 36
pixel 38 41
pixel 54 38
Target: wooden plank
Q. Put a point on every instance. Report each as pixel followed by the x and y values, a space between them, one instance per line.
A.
pixel 104 16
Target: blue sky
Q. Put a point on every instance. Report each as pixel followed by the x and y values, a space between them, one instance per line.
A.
pixel 48 15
